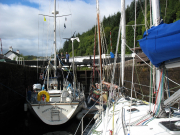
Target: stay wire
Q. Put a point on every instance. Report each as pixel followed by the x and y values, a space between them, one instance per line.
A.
pixel 12 90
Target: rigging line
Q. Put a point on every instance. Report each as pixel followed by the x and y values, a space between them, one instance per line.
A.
pixel 146 16
pixel 51 43
pixel 138 56
pixel 53 16
pixel 144 120
pixel 172 80
pixel 152 86
pixel 162 87
pixel 143 12
pixel 150 120
pixel 145 117
pixel 84 115
pixel 94 54
pixel 138 80
pixel 166 87
pixel 12 90
pixel 172 89
pixel 119 74
pixel 38 44
pixel 105 48
pixel 69 6
pixel 137 84
pixel 63 65
pixel 147 120
pixel 136 25
pixel 117 46
pixel 165 11
pixel 158 91
pixel 150 14
pixel 138 92
pixel 49 33
pixel 142 117
pixel 102 45
pixel 43 38
pixel 132 85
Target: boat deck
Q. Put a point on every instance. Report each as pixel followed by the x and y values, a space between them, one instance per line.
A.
pixel 135 120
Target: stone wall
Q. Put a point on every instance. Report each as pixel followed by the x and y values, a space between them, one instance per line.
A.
pixel 142 76
pixel 14 79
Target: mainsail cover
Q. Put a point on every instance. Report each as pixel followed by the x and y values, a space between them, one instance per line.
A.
pixel 162 43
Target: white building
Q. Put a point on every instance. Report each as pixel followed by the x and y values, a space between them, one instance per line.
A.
pixel 11 54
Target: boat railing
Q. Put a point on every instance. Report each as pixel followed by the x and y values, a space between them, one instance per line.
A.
pixel 82 131
pixel 123 121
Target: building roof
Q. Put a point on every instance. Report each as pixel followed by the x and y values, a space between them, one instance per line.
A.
pixel 12 52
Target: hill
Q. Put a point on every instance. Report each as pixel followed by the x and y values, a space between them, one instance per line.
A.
pixel 111 23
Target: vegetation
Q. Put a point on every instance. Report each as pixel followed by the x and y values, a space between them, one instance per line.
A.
pixel 111 23
pixel 28 57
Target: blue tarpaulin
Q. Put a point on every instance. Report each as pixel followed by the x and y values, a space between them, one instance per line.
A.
pixel 162 43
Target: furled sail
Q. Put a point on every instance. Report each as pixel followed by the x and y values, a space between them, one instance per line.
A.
pixel 162 43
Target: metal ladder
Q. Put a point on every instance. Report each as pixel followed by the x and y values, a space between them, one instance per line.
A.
pixel 55 112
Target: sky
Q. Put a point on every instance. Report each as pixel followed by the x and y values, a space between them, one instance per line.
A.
pixel 25 30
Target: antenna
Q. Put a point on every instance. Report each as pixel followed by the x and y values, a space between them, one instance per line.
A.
pixel 73 34
pixel 70 37
pixel 1 46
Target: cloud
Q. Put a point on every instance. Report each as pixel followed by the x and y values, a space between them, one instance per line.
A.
pixel 22 28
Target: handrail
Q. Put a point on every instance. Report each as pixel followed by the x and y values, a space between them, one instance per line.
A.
pixel 83 117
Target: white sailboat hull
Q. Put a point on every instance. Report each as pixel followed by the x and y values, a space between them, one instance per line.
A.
pixel 141 122
pixel 55 113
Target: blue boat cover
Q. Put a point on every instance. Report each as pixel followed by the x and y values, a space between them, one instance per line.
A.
pixel 162 43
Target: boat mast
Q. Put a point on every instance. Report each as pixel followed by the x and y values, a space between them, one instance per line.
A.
pixel 55 64
pixel 123 38
pixel 156 22
pixel 100 62
pixel 156 12
pixel 110 41
pixel 99 40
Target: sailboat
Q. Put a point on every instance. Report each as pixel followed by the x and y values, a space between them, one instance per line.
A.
pixel 55 106
pixel 131 116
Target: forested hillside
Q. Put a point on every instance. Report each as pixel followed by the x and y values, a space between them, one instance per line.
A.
pixel 111 23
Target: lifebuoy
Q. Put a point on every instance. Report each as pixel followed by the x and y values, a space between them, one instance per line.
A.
pixel 41 93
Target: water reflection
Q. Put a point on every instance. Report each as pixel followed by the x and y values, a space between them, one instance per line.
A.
pixel 25 123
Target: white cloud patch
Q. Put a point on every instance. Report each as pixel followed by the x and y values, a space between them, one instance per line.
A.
pixel 22 28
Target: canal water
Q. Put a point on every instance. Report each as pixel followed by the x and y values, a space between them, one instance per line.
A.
pixel 19 122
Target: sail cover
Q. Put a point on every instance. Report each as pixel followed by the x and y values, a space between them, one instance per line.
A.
pixel 162 43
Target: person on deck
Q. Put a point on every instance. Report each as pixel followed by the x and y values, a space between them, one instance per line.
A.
pixel 112 55
pixel 59 74
pixel 62 57
pixel 67 58
pixel 58 59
